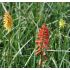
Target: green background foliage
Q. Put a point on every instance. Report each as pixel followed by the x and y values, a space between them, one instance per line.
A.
pixel 27 19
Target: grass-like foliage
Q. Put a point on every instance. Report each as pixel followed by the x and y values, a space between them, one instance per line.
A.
pixel 17 47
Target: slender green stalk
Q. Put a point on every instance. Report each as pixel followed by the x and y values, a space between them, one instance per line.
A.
pixel 4 7
pixel 41 59
pixel 19 51
pixel 9 54
pixel 30 57
pixel 67 51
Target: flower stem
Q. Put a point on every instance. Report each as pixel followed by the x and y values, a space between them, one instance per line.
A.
pixel 9 49
pixel 41 58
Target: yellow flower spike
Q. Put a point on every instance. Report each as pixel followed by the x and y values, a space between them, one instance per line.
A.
pixel 61 23
pixel 8 22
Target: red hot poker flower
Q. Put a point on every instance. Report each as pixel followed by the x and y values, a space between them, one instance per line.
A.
pixel 43 40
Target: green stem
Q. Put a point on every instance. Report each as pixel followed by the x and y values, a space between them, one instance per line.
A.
pixel 9 49
pixel 41 58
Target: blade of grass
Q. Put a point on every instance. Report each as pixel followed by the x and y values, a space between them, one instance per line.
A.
pixel 20 50
pixel 63 58
pixel 54 62
pixel 29 58
pixel 4 7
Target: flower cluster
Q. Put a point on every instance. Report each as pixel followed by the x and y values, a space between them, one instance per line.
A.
pixel 61 23
pixel 42 40
pixel 8 23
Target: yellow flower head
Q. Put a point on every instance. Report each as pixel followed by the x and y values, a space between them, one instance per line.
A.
pixel 8 22
pixel 61 23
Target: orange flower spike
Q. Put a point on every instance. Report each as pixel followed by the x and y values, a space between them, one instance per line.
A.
pixel 8 22
pixel 43 39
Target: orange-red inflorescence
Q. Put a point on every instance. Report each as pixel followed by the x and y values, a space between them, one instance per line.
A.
pixel 42 40
pixel 8 22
